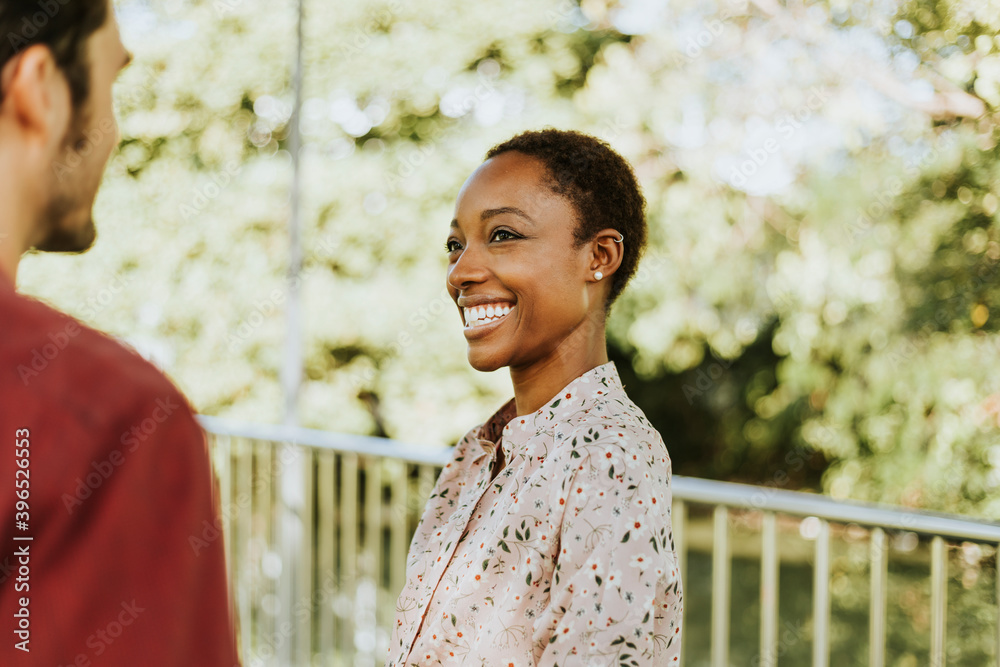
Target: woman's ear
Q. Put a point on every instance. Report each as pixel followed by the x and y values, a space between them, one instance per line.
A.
pixel 607 251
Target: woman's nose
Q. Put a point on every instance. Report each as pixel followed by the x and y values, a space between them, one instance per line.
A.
pixel 470 268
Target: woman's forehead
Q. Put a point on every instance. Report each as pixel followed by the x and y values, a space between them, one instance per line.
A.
pixel 509 180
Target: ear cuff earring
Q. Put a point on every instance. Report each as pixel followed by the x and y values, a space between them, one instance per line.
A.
pixel 598 275
pixel 621 237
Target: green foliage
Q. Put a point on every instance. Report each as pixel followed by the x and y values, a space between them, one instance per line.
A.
pixel 818 304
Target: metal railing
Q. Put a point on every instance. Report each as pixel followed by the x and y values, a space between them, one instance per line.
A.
pixel 318 524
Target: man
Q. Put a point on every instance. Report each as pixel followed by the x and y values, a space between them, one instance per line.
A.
pixel 106 490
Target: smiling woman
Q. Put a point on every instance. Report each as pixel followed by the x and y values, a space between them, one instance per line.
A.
pixel 547 539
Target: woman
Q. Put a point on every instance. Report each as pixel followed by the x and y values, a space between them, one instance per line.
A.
pixel 547 538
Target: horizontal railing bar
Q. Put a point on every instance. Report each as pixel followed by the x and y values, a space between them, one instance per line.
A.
pixel 340 442
pixel 800 503
pixel 691 489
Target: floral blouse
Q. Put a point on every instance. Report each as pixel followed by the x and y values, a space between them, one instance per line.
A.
pixel 566 558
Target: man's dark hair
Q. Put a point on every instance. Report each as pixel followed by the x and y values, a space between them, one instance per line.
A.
pixel 598 182
pixel 62 25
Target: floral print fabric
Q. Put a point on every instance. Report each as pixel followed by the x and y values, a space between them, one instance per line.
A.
pixel 566 558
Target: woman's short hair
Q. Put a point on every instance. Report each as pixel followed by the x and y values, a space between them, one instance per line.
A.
pixel 599 183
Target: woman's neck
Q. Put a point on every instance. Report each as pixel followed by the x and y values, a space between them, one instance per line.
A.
pixel 584 349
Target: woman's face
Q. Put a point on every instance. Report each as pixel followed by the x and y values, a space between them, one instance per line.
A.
pixel 514 269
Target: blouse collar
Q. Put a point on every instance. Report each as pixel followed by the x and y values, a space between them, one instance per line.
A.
pixel 568 405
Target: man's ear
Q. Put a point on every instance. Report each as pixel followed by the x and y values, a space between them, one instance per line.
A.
pixel 607 252
pixel 36 97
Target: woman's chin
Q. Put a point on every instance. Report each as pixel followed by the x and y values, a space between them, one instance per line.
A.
pixel 485 361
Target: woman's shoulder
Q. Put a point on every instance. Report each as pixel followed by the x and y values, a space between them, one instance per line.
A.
pixel 614 429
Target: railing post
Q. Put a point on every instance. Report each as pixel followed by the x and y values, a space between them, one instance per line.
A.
pixel 879 567
pixel 292 470
pixel 769 592
pixel 326 550
pixel 242 536
pixel 348 546
pixel 821 598
pixel 721 564
pixel 372 563
pixel 399 529
pixel 939 599
pixel 678 521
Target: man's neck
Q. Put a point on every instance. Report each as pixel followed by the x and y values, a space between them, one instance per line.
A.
pixel 13 214
pixel 10 257
pixel 8 261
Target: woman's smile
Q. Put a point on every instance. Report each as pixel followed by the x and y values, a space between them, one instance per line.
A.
pixel 479 316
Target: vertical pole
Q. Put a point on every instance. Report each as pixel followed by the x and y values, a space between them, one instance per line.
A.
pixel 291 372
pixel 294 474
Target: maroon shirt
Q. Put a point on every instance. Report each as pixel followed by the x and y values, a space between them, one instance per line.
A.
pixel 118 497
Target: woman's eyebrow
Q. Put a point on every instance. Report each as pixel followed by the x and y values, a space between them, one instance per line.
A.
pixel 493 212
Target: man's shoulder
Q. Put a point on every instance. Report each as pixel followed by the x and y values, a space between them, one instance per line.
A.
pixel 49 356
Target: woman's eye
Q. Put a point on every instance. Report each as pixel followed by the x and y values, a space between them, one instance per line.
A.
pixel 504 235
pixel 451 245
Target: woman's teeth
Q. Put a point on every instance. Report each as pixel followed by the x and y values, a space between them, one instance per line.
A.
pixel 480 315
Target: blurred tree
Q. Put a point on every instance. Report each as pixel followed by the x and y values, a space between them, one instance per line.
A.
pixel 817 306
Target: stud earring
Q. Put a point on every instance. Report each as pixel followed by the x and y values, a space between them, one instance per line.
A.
pixel 598 275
